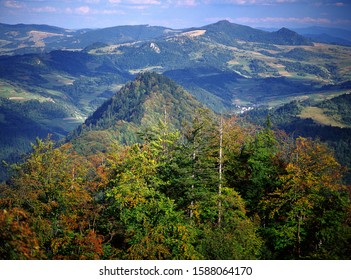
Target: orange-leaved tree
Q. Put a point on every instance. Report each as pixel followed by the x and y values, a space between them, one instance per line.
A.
pixel 50 188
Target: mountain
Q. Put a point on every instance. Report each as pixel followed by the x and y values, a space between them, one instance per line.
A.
pixel 22 38
pixel 227 33
pixel 31 38
pixel 149 94
pixel 327 39
pixel 223 65
pixel 319 34
pixel 217 63
pixel 138 106
pixel 122 34
pixel 326 35
pixel 285 36
pixel 100 197
pixel 78 81
pixel 43 94
pixel 21 30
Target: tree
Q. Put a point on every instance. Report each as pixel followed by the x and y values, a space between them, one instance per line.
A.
pixel 201 150
pixel 307 211
pixel 226 230
pixel 253 168
pixel 17 240
pixel 153 228
pixel 187 160
pixel 237 237
pixel 50 187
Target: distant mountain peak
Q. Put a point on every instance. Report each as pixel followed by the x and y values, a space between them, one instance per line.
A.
pixel 285 30
pixel 291 37
pixel 226 24
pixel 228 33
pixel 223 22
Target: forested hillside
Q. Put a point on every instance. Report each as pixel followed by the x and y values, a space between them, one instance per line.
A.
pixel 137 106
pixel 274 198
pixel 326 120
pixel 65 75
pixel 206 187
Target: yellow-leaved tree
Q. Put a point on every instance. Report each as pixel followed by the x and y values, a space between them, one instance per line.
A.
pixel 307 212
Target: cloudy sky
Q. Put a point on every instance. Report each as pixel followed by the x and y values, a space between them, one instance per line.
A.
pixel 177 13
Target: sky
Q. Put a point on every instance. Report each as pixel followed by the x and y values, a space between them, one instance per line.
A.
pixel 177 13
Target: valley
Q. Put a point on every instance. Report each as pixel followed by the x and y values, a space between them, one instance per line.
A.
pixel 218 142
pixel 191 130
pixel 142 179
pixel 66 75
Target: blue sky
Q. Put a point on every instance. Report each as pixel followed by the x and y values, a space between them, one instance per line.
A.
pixel 177 13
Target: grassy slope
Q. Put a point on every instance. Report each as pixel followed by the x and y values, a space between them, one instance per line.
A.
pixel 319 116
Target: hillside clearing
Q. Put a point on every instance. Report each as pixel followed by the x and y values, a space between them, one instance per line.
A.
pixel 319 116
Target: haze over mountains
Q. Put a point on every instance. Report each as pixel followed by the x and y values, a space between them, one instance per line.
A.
pixel 322 34
pixel 52 78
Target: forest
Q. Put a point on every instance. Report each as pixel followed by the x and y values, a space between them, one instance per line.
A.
pixel 335 110
pixel 216 188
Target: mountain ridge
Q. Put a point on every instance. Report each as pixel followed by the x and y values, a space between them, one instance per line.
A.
pixel 145 88
pixel 320 34
pixel 234 31
pixel 22 38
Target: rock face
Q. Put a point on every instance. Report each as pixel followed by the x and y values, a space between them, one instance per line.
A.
pixel 154 47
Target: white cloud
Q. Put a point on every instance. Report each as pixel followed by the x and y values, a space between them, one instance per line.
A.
pixel 323 4
pixel 186 2
pixel 144 2
pixel 108 12
pixel 13 4
pixel 136 2
pixel 91 1
pixel 138 7
pixel 83 10
pixel 239 2
pixel 254 2
pixel 286 1
pixel 343 22
pixel 46 9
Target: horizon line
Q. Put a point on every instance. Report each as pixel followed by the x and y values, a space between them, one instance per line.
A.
pixel 173 28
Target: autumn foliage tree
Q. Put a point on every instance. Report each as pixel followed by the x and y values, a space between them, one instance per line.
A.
pixel 216 189
pixel 50 190
pixel 17 240
pixel 308 210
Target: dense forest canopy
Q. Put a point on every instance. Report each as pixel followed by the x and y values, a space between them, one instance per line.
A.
pixel 326 120
pixel 214 189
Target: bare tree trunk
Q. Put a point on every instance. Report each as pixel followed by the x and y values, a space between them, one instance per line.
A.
pixel 192 189
pixel 299 236
pixel 220 171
